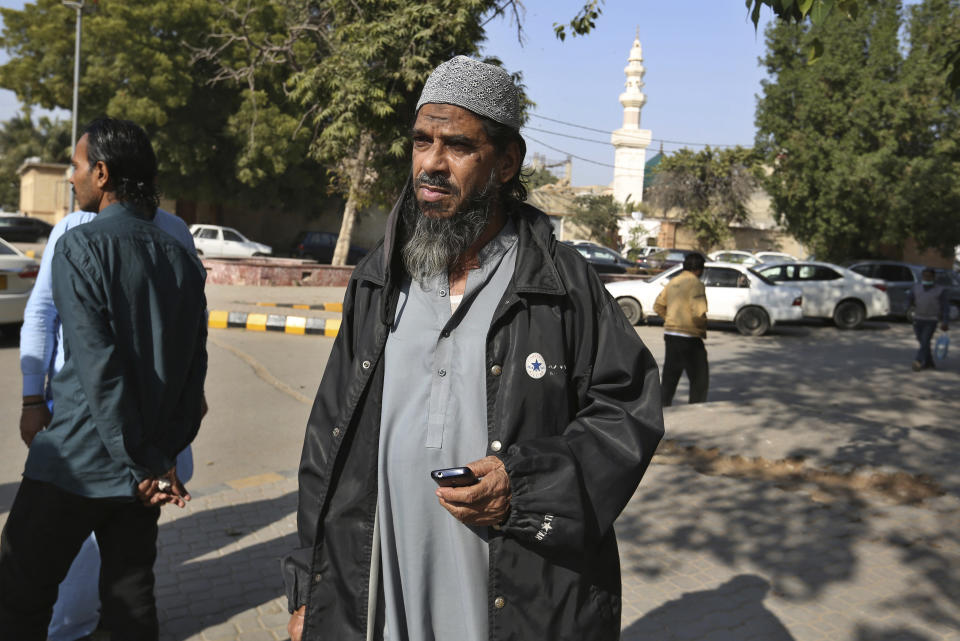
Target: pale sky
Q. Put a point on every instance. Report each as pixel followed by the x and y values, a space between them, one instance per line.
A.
pixel 702 76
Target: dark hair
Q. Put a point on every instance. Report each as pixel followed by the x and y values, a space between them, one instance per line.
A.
pixel 501 136
pixel 693 262
pixel 125 149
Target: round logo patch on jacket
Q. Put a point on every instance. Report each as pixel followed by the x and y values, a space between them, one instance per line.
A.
pixel 536 366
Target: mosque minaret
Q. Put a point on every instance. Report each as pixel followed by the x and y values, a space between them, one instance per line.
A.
pixel 630 141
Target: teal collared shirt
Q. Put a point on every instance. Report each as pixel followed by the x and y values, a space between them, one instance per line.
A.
pixel 129 395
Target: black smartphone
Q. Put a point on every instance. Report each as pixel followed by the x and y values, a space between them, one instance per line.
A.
pixel 454 477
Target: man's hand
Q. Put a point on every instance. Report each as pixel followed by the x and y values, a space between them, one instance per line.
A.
pixel 166 489
pixel 33 419
pixel 485 503
pixel 295 625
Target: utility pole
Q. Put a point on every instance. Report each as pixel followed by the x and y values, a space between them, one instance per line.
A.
pixel 78 5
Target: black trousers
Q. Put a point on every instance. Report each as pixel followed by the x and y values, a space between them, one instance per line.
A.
pixel 43 534
pixel 685 354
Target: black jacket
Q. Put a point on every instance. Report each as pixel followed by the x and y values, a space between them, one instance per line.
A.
pixel 574 442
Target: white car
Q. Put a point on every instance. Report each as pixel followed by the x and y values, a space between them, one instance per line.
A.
pixel 18 273
pixel 225 242
pixel 832 292
pixel 738 256
pixel 774 257
pixel 734 293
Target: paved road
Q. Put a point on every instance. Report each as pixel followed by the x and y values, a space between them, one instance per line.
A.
pixel 706 554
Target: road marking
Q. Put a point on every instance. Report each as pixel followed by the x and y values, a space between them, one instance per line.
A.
pixel 254 481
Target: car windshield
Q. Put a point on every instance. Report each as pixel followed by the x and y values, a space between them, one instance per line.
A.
pixel 761 277
pixel 7 251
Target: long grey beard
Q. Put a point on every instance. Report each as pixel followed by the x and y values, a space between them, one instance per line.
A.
pixel 432 245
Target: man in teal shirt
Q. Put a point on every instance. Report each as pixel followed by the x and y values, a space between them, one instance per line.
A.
pixel 129 396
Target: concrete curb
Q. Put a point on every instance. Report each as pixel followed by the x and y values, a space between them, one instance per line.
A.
pixel 326 307
pixel 222 319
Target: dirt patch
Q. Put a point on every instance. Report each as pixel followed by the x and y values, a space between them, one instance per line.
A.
pixel 824 485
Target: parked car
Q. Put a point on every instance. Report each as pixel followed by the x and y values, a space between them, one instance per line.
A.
pixel 225 242
pixel 16 228
pixel 900 277
pixel 739 256
pixel 664 259
pixel 603 259
pixel 641 252
pixel 734 293
pixel 831 291
pixel 774 257
pixel 18 273
pixel 319 246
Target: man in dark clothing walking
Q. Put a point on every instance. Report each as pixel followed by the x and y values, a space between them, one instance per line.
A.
pixel 128 397
pixel 930 304
pixel 683 307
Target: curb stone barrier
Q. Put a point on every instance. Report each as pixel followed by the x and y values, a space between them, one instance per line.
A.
pixel 223 319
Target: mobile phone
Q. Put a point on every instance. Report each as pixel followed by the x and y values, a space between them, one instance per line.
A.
pixel 454 477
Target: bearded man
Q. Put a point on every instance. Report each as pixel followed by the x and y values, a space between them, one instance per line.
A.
pixel 471 337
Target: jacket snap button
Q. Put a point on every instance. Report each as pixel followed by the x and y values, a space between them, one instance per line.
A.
pixel 336 432
pixel 317 577
pixel 365 364
pixel 499 602
pixel 496 370
pixel 496 445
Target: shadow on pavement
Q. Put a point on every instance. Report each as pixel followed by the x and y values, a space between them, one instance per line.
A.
pixel 219 562
pixel 801 547
pixel 707 615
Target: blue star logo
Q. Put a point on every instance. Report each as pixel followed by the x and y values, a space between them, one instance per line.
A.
pixel 536 365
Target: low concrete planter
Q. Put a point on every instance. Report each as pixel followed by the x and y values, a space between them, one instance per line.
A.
pixel 274 271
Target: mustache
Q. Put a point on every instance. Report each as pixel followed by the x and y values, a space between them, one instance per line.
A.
pixel 436 180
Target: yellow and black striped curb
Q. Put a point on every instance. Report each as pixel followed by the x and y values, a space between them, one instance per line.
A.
pixel 326 307
pixel 222 319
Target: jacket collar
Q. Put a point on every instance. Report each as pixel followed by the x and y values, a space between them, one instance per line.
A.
pixel 535 271
pixel 124 209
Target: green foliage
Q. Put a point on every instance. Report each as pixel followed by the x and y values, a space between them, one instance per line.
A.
pixel 539 177
pixel 864 144
pixel 711 187
pixel 600 215
pixel 138 62
pixel 351 72
pixel 820 11
pixel 48 140
pixel 582 23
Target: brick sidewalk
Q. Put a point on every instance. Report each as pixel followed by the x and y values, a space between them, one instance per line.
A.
pixel 703 557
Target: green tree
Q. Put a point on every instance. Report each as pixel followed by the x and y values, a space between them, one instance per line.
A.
pixel 601 216
pixel 138 62
pixel 822 11
pixel 48 140
pixel 862 144
pixel 352 70
pixel 711 187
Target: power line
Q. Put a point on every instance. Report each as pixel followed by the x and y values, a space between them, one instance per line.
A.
pixel 557 133
pixel 603 131
pixel 595 162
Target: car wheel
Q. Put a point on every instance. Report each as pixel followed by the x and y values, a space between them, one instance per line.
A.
pixel 631 309
pixel 752 321
pixel 849 314
pixel 909 314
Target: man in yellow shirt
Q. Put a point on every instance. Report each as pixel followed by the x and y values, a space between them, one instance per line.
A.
pixel 683 307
